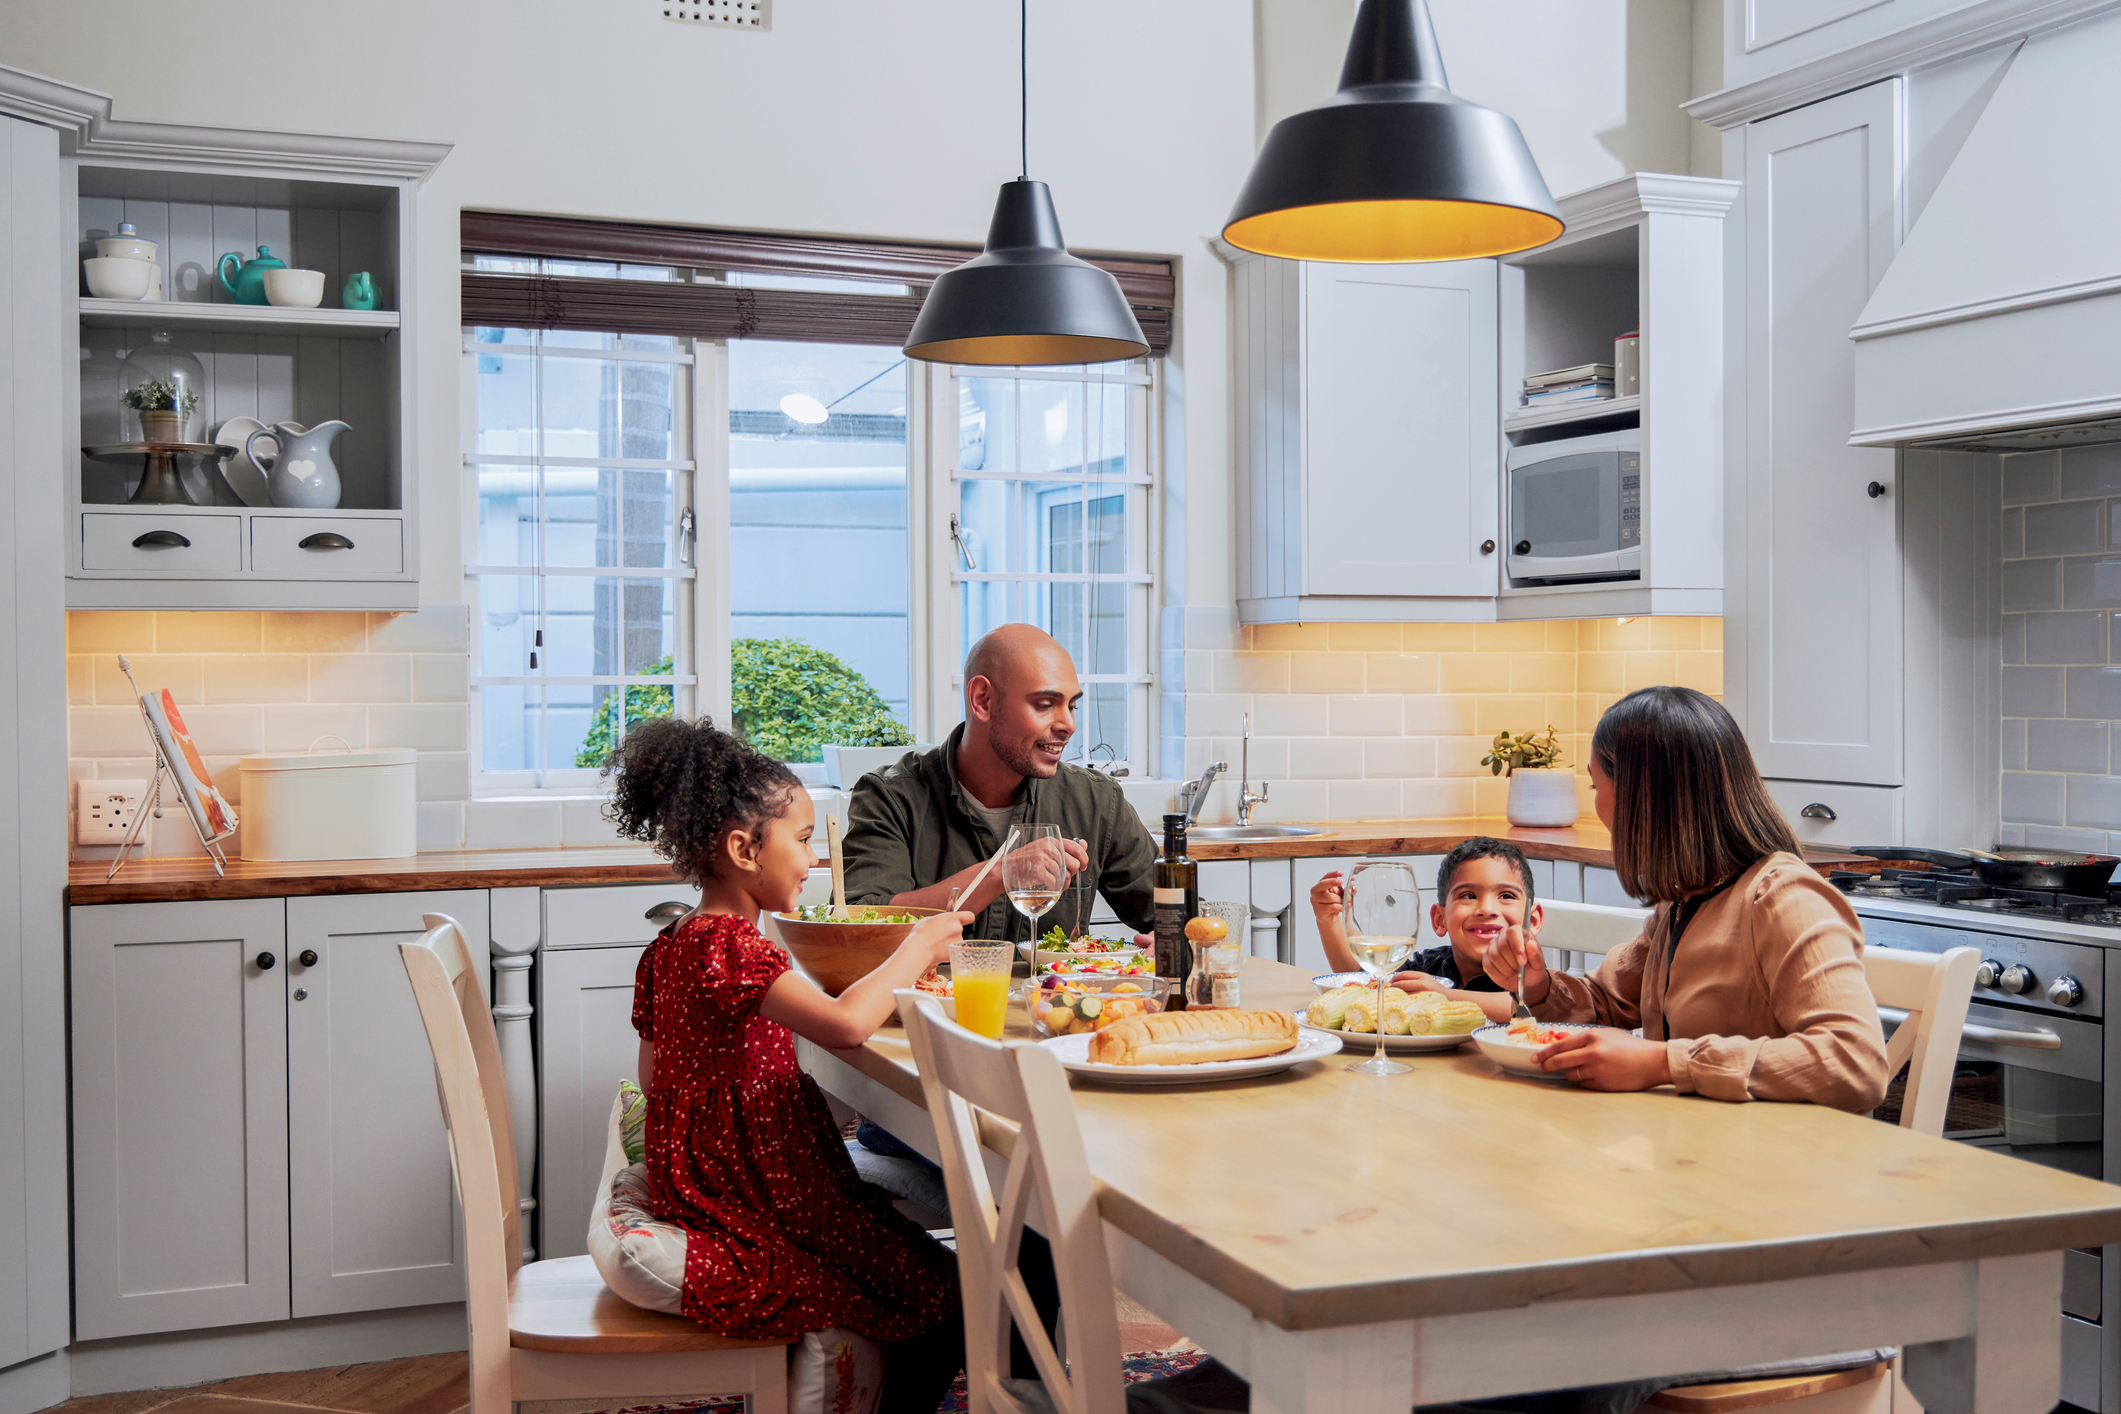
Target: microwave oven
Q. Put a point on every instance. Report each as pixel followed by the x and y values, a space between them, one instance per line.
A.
pixel 1575 509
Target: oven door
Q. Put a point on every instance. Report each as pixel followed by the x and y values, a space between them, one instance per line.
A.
pixel 2027 1083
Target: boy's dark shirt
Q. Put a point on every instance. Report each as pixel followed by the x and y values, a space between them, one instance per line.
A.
pixel 1441 963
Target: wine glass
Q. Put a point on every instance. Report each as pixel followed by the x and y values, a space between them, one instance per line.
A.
pixel 1034 871
pixel 1383 911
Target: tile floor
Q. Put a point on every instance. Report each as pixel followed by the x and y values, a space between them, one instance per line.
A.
pixel 426 1384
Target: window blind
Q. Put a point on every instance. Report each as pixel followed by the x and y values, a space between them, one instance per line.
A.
pixel 738 312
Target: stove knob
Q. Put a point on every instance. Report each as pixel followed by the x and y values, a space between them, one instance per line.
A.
pixel 1986 974
pixel 2065 991
pixel 2016 979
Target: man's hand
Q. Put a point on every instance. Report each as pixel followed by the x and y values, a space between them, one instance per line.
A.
pixel 1515 948
pixel 1606 1059
pixel 1055 861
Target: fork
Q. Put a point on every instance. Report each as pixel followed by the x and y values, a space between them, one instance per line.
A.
pixel 1523 1012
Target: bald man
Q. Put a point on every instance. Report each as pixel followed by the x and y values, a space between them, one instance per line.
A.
pixel 920 828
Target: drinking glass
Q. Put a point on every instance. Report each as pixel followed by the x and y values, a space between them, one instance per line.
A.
pixel 1383 911
pixel 979 983
pixel 1034 871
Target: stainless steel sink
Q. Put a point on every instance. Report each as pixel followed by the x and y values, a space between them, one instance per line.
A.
pixel 1238 834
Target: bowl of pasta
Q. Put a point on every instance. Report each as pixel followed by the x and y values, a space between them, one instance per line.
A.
pixel 1515 1047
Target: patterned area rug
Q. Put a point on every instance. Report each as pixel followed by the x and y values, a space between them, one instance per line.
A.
pixel 1151 1365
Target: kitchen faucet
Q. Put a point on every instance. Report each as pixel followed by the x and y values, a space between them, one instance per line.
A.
pixel 1245 798
pixel 1194 794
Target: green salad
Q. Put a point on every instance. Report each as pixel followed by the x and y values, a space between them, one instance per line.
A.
pixel 822 913
pixel 1057 941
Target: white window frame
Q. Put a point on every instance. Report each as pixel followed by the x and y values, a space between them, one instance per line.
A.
pixel 691 635
pixel 944 570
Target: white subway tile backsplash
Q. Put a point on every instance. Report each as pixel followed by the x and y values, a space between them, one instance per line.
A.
pixel 1364 716
pixel 1359 638
pixel 1296 800
pixel 1291 716
pixel 439 628
pixel 1422 799
pixel 431 727
pixel 1402 672
pixel 1325 672
pixel 582 823
pixel 298 727
pixel 1438 716
pixel 1365 800
pixel 441 677
pixel 1400 757
pixel 360 677
pixel 442 775
pixel 512 824
pixel 256 677
pixel 441 824
pixel 1324 758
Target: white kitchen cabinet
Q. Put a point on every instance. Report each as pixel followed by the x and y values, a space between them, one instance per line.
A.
pixel 1764 40
pixel 1367 441
pixel 1306 949
pixel 372 1204
pixel 1819 625
pixel 180 1116
pixel 586 1046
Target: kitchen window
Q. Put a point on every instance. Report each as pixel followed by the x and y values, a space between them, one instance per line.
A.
pixel 1053 526
pixel 581 562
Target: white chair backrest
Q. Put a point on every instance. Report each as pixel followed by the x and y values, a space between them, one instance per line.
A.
pixel 475 1108
pixel 1588 927
pixel 1933 989
pixel 1047 1165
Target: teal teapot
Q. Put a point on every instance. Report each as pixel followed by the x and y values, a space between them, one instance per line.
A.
pixel 249 285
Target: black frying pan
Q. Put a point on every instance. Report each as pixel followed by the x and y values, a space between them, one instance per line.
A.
pixel 2062 869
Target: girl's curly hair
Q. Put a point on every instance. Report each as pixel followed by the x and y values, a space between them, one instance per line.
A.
pixel 681 786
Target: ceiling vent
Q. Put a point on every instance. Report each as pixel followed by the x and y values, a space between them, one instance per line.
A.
pixel 720 14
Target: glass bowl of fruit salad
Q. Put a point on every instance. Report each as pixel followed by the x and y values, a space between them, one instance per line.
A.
pixel 1063 1004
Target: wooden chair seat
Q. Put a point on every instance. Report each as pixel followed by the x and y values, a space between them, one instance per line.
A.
pixel 1759 1394
pixel 563 1306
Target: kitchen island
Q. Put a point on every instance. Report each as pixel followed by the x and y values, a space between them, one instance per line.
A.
pixel 1454 1233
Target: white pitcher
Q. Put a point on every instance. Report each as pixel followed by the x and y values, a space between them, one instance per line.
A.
pixel 302 476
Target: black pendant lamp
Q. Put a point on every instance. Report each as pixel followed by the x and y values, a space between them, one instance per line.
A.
pixel 1025 300
pixel 1394 167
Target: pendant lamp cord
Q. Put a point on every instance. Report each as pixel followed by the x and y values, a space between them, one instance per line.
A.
pixel 1023 87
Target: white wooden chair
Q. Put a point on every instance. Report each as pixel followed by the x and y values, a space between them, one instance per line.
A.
pixel 1048 1175
pixel 1927 994
pixel 1587 929
pixel 548 1330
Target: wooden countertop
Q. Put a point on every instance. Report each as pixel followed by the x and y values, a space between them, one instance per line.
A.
pixel 166 880
pixel 1319 1198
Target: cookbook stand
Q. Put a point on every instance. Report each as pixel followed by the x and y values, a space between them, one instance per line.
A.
pixel 153 803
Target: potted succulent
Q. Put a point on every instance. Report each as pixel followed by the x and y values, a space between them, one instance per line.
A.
pixel 868 742
pixel 165 409
pixel 1541 792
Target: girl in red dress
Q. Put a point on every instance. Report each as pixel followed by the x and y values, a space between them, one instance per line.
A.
pixel 784 1238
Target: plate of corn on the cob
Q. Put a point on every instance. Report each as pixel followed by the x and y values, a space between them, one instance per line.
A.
pixel 1411 1021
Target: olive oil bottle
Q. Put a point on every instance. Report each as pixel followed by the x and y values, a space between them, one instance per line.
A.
pixel 1177 897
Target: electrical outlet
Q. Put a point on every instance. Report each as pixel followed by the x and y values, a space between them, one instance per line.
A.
pixel 105 810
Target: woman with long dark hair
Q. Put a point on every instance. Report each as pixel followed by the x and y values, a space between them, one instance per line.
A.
pixel 1747 981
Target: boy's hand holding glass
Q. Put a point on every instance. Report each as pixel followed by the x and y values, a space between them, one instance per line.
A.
pixel 1518 946
pixel 1326 898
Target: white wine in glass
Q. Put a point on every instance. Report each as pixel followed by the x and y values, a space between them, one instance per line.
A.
pixel 1383 911
pixel 1034 871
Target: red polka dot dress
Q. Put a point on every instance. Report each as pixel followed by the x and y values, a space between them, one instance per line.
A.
pixel 784 1236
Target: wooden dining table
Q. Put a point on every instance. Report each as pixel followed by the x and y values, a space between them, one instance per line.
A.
pixel 1358 1243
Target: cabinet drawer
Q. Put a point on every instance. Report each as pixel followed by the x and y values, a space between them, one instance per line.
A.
pixel 1861 814
pixel 602 917
pixel 325 547
pixel 209 544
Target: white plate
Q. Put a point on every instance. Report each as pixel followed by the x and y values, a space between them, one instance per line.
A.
pixel 1074 1053
pixel 239 471
pixel 1518 1059
pixel 1365 1042
pixel 1121 950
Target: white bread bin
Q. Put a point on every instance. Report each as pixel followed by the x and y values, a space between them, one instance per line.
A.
pixel 328 805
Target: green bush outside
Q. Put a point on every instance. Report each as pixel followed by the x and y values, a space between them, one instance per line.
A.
pixel 791 700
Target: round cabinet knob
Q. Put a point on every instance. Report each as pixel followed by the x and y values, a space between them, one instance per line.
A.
pixel 265 961
pixel 1874 490
pixel 308 957
pixel 1986 974
pixel 2016 980
pixel 1522 547
pixel 1487 547
pixel 2065 991
pixel 301 994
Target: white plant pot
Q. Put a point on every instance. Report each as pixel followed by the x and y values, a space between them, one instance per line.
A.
pixel 844 765
pixel 1542 797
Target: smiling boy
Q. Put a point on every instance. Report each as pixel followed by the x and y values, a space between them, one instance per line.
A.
pixel 1483 889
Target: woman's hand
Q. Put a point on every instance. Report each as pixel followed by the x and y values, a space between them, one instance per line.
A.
pixel 1518 947
pixel 1327 900
pixel 1607 1059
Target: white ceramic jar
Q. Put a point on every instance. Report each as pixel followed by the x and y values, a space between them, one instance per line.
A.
pixel 1539 797
pixel 329 805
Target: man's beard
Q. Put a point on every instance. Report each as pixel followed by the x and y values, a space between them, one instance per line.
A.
pixel 1020 758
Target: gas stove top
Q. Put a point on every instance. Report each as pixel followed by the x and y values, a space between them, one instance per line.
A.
pixel 1966 892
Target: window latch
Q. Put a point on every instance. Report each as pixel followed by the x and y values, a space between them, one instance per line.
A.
pixel 957 538
pixel 687 530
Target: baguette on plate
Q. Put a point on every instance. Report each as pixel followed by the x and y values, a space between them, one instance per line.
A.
pixel 1190 1037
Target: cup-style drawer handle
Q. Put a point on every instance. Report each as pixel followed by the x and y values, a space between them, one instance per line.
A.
pixel 666 910
pixel 324 540
pixel 1818 811
pixel 161 540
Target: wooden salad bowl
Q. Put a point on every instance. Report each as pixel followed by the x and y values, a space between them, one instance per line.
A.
pixel 836 955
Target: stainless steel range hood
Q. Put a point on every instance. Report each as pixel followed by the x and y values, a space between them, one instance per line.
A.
pixel 1998 325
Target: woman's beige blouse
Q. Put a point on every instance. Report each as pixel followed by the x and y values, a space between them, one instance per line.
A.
pixel 1766 999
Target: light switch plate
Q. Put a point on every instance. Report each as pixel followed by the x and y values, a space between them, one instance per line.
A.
pixel 105 810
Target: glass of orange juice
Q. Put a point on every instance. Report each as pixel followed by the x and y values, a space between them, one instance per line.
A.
pixel 979 980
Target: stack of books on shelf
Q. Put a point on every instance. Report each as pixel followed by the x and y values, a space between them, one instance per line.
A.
pixel 1585 383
